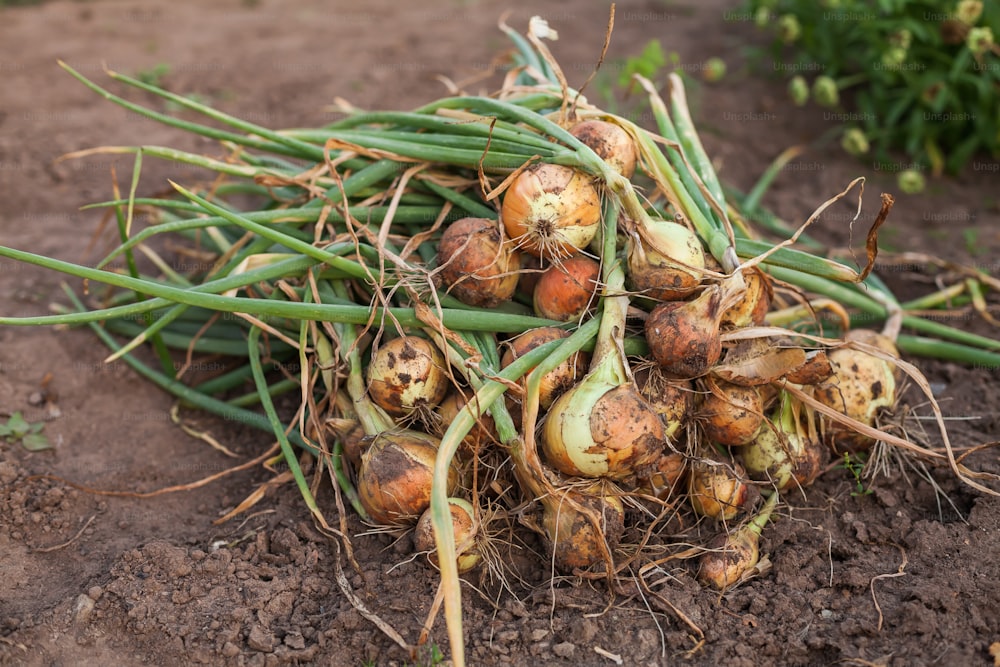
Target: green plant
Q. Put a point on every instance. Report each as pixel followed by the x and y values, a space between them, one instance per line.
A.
pixel 29 434
pixel 921 76
pixel 154 75
pixel 855 464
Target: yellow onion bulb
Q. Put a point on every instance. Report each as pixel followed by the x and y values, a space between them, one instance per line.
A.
pixel 599 429
pixel 464 525
pixel 611 143
pixel 860 386
pixel 406 374
pixel 670 398
pixel 551 210
pixel 782 453
pixel 753 307
pixel 664 261
pixel 684 337
pixel 482 432
pixel 567 289
pixel 397 474
pixel 560 378
pixel 718 490
pixel 475 264
pixel 572 539
pixel 666 480
pixel 732 556
pixel 731 414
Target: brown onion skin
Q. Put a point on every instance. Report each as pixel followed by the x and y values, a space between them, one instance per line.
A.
pixel 559 379
pixel 482 433
pixel 396 476
pixel 475 264
pixel 731 415
pixel 672 399
pixel 561 229
pixel 566 290
pixel 729 557
pixel 683 337
pixel 666 481
pixel 572 540
pixel 463 525
pixel 611 143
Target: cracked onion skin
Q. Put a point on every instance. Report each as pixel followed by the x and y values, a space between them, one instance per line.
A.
pixel 597 429
pixel 407 373
pixel 860 386
pixel 551 210
pixel 475 264
pixel 396 476
pixel 611 143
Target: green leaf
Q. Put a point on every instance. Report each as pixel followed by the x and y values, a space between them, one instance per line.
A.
pixel 35 442
pixel 17 425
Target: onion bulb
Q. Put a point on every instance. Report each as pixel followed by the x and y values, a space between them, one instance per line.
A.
pixel 718 490
pixel 671 399
pixel 482 432
pixel 551 210
pixel 566 289
pixel 611 143
pixel 734 555
pixel 407 373
pixel 750 311
pixel 861 385
pixel 396 475
pixel 463 523
pixel 476 266
pixel 783 453
pixel 560 378
pixel 572 539
pixel 663 260
pixel 683 336
pixel 600 429
pixel 730 414
pixel 666 478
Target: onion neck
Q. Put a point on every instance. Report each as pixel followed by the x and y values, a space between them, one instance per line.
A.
pixel 608 363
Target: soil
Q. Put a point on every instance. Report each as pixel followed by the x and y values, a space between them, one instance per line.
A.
pixel 904 573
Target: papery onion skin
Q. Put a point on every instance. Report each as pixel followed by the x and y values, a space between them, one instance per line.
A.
pixel 611 143
pixel 718 491
pixel 752 309
pixel 572 540
pixel 860 386
pixel 565 290
pixel 551 211
pixel 475 264
pixel 602 430
pixel 407 373
pixel 731 414
pixel 396 476
pixel 667 478
pixel 683 337
pixel 464 526
pixel 671 399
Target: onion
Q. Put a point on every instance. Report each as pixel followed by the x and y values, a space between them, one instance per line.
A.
pixel 734 555
pixel 483 432
pixel 683 337
pixel 861 385
pixel 396 475
pixel 600 429
pixel 572 539
pixel 663 260
pixel 783 453
pixel 566 290
pixel 407 373
pixel 671 399
pixel 667 477
pixel 464 524
pixel 551 210
pixel 718 490
pixel 476 266
pixel 611 143
pixel 730 414
pixel 559 379
pixel 754 306
pixel 816 369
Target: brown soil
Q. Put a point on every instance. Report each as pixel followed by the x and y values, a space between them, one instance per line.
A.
pixel 906 575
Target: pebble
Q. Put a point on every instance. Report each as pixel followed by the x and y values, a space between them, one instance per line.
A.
pixel 83 608
pixel 564 649
pixel 36 398
pixel 95 593
pixel 8 472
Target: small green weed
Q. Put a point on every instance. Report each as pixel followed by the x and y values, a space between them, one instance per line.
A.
pixel 18 429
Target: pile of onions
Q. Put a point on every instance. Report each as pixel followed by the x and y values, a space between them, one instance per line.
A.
pixel 476 265
pixel 406 374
